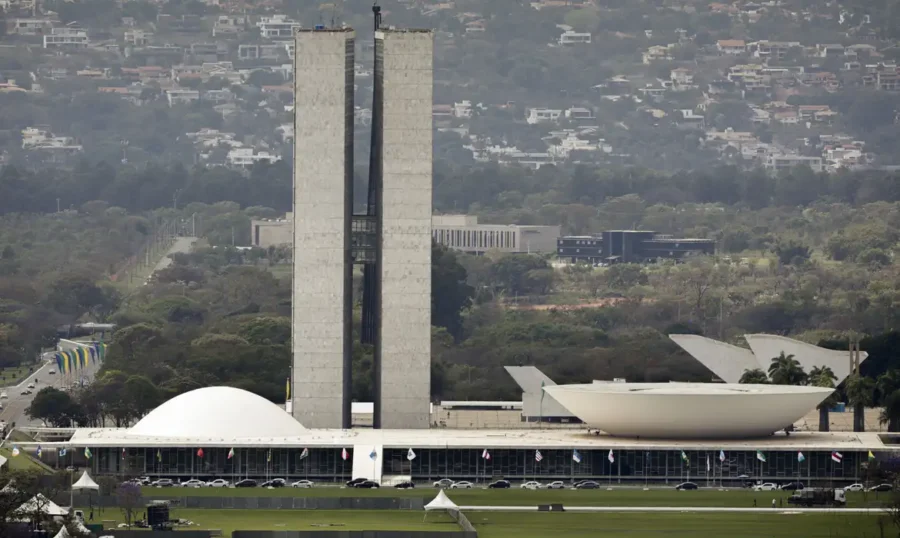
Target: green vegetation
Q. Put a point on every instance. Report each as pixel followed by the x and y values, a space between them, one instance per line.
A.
pixel 737 498
pixel 12 375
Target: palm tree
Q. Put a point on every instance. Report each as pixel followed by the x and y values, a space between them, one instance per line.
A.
pixel 860 392
pixel 786 370
pixel 890 415
pixel 822 376
pixel 754 377
pixel 887 383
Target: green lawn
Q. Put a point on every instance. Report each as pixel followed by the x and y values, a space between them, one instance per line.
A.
pixel 520 497
pixel 13 376
pixel 539 525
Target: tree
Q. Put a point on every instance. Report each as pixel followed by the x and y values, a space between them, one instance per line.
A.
pixel 754 377
pixel 510 273
pixel 860 394
pixel 450 294
pixel 130 500
pixel 822 376
pixel 887 384
pixel 890 414
pixel 55 407
pixel 792 253
pixel 786 370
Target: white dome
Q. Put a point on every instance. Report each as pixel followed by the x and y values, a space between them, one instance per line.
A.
pixel 218 412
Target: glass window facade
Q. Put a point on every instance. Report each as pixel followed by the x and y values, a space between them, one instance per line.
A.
pixel 327 465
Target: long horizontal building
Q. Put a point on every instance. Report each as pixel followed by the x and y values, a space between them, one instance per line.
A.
pixel 193 434
pixel 629 246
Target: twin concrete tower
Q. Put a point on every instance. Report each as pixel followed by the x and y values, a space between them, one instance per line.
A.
pixel 390 240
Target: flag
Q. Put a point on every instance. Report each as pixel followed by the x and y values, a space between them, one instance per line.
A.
pixel 871 456
pixel 537 456
pixel 707 463
pixel 344 454
pixel 722 456
pixel 800 457
pixel 576 457
pixel 199 452
pixel 287 389
pixel 760 456
pixel 87 453
pixel 231 453
pixel 159 455
pixel 410 455
pixel 62 452
pixel 837 457
pixel 610 456
pixel 684 457
pixel 268 455
pixel 304 454
pixel 485 455
pixel 15 451
pixel 123 452
pixel 373 455
pixel 39 451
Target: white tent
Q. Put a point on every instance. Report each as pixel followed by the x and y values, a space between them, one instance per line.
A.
pixel 86 482
pixel 3 461
pixel 41 504
pixel 441 502
pixel 63 533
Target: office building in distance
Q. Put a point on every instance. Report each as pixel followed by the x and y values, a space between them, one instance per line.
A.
pixel 463 232
pixel 630 246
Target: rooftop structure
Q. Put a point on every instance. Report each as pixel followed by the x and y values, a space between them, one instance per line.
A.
pixel 630 246
pixel 688 410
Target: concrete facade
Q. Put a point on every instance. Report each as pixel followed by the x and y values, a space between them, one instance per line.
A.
pixel 269 233
pixel 462 232
pixel 323 194
pixel 404 71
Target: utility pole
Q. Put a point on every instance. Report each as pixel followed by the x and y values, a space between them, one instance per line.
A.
pixel 57 205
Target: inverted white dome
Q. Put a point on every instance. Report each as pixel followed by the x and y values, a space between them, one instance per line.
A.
pixel 688 410
pixel 218 412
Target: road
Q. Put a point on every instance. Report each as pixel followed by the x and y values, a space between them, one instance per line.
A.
pixel 680 509
pixel 15 405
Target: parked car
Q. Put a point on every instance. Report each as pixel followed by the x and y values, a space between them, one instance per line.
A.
pixel 245 483
pixel 367 484
pixel 193 483
pixel 556 484
pixel 274 483
pixel 163 483
pixel 405 485
pixel 855 487
pixel 302 484
pixel 686 486
pixel 218 483
pixel 792 486
pixel 882 487
pixel 768 486
pixel 500 484
pixel 355 481
pixel 4 395
pixel 443 483
pixel 587 484
pixel 531 484
pixel 462 485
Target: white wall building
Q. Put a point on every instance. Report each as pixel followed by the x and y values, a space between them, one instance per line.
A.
pixel 277 27
pixel 66 38
pixel 542 115
pixel 570 37
pixel 247 157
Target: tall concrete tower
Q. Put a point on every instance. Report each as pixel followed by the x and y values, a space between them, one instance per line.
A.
pixel 402 112
pixel 322 296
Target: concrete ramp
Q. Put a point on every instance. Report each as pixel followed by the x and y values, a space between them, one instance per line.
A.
pixel 364 465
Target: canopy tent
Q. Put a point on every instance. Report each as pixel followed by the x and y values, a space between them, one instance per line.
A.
pixel 441 502
pixel 86 483
pixel 3 461
pixel 43 505
pixel 63 533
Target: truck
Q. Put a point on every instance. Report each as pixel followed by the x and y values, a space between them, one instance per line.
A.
pixel 819 497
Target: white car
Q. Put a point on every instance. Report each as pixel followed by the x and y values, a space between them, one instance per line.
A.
pixel 4 395
pixel 768 486
pixel 462 485
pixel 193 483
pixel 444 483
pixel 557 484
pixel 302 484
pixel 31 385
pixel 218 483
pixel 531 485
pixel 855 487
pixel 26 392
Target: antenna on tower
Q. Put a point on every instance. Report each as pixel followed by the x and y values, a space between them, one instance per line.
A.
pixel 376 11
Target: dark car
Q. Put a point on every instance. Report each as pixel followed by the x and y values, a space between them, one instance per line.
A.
pixel 367 484
pixel 245 483
pixel 792 486
pixel 686 486
pixel 500 484
pixel 882 487
pixel 275 483
pixel 587 484
pixel 405 485
pixel 355 481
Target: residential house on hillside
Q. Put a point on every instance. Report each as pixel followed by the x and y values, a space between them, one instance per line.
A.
pixel 731 47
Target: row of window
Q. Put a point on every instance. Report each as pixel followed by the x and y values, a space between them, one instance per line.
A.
pixel 476 239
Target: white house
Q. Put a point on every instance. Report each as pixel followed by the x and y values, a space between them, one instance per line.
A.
pixel 277 27
pixel 246 157
pixel 542 115
pixel 66 38
pixel 570 37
